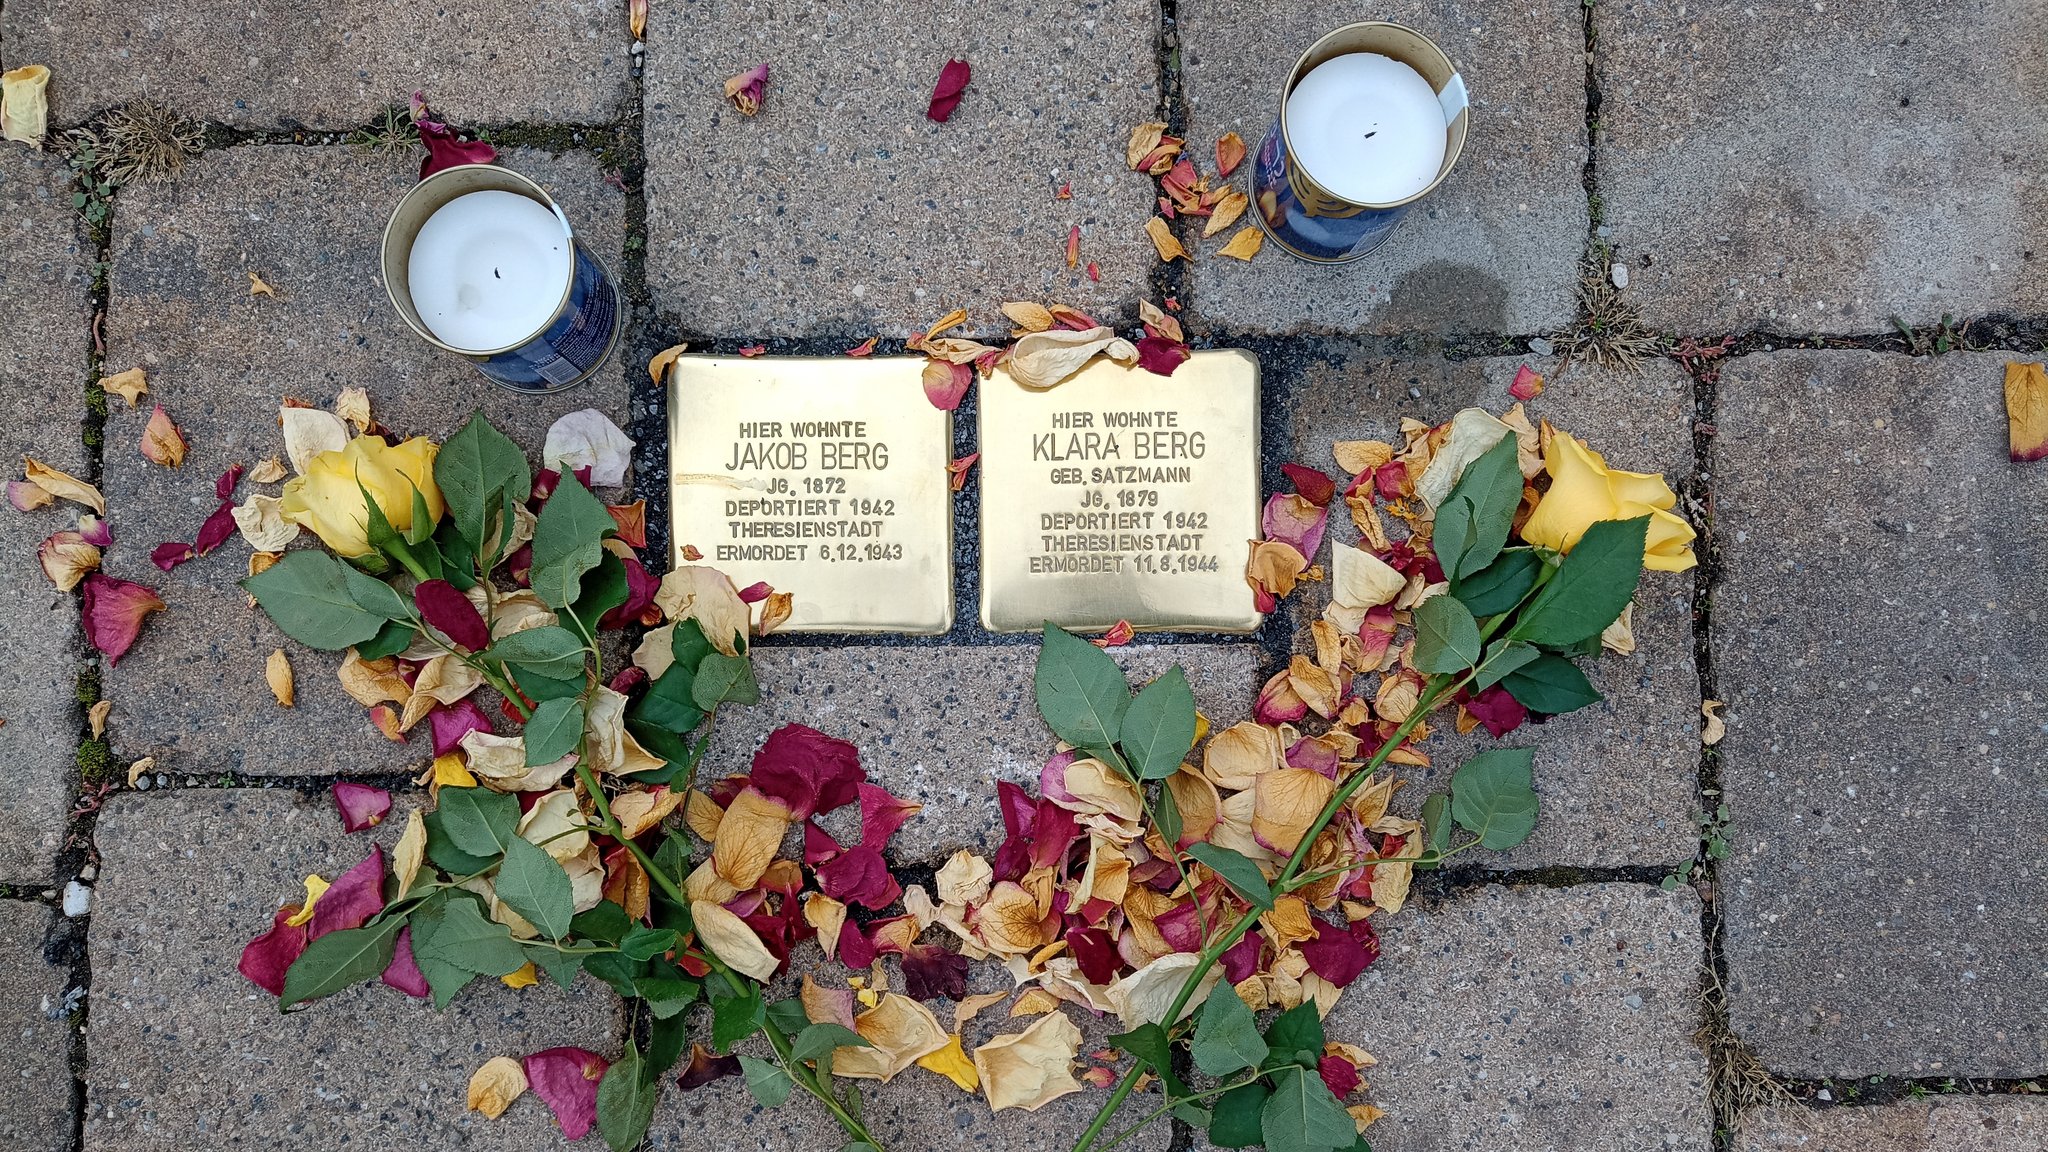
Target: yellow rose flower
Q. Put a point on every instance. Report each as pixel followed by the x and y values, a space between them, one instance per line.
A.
pixel 326 498
pixel 1584 490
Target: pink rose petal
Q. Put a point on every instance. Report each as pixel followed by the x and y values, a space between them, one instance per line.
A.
pixel 756 592
pixel 958 380
pixel 95 531
pixel 404 973
pixel 1160 356
pixel 946 94
pixel 1294 520
pixel 265 959
pixel 566 1079
pixel 352 899
pixel 881 815
pixel 114 612
pixel 454 721
pixel 361 806
pixel 443 606
pixel 807 771
pixel 1241 959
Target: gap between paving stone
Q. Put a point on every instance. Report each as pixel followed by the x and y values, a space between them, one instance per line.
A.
pixel 35 1077
pixel 1941 1124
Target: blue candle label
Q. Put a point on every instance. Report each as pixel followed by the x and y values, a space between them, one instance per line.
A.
pixel 572 345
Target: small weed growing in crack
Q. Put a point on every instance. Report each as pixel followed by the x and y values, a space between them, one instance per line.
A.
pixel 1609 333
pixel 1935 340
pixel 140 140
pixel 392 129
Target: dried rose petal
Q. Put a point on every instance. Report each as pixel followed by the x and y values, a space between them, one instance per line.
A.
pixel 361 806
pixel 27 497
pixel 1229 153
pixel 946 94
pixel 1497 709
pixel 566 1079
pixel 129 385
pixel 1064 191
pixel 1164 241
pixel 224 488
pixel 454 721
pixel 1528 384
pixel 404 973
pixel 1241 960
pixel 1338 1074
pixel 1119 634
pixel 1296 521
pixel 945 385
pixel 1095 271
pixel 265 959
pixel 1074 246
pixel 162 443
pixel 444 148
pixel 632 522
pixel 1340 954
pixel 854 949
pixel 807 771
pixel 1161 356
pixel 748 89
pixel 860 876
pixel 114 612
pixel 218 529
pixel 959 468
pixel 1315 486
pixel 171 553
pixel 882 814
pixel 352 899
pixel 1225 213
pixel 2026 412
pixel 1144 138
pixel 1244 245
pixel 443 606
pixel 704 1068
pixel 930 972
pixel 865 348
pixel 66 558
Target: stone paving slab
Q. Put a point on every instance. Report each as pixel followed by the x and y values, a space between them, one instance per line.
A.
pixel 35 1076
pixel 45 336
pixel 1537 1019
pixel 1495 249
pixel 841 209
pixel 1878 636
pixel 334 65
pixel 1804 167
pixel 185 1053
pixel 1618 780
pixel 941 725
pixel 1945 1124
pixel 309 221
pixel 919 1109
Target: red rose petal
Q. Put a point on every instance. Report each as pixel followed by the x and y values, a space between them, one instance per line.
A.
pixel 931 972
pixel 704 1068
pixel 265 958
pixel 1241 959
pixel 114 612
pixel 854 949
pixel 361 806
pixel 444 148
pixel 1160 356
pixel 1339 1075
pixel 1095 952
pixel 860 876
pixel 946 94
pixel 1315 486
pixel 218 529
pixel 171 553
pixel 640 589
pixel 808 771
pixel 352 899
pixel 881 815
pixel 404 972
pixel 1339 954
pixel 959 378
pixel 225 486
pixel 1528 384
pixel 443 606
pixel 1497 709
pixel 453 721
pixel 756 592
pixel 566 1079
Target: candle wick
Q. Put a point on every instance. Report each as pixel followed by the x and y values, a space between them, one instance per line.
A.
pixel 497 275
pixel 1371 134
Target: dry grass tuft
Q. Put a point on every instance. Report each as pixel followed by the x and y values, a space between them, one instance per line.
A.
pixel 137 141
pixel 1736 1079
pixel 1609 332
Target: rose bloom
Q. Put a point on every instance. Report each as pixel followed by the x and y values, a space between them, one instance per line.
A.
pixel 1584 490
pixel 328 498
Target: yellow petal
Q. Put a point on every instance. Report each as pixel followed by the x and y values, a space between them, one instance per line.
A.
pixel 314 887
pixel 129 385
pixel 1238 755
pixel 450 773
pixel 1669 546
pixel 732 941
pixel 899 1031
pixel 1286 802
pixel 952 1063
pixel 749 836
pixel 493 1087
pixel 523 977
pixel 24 110
pixel 409 853
pixel 1638 492
pixel 1578 496
pixel 277 672
pixel 964 879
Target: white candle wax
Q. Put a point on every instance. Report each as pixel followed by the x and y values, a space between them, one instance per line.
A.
pixel 1366 127
pixel 488 269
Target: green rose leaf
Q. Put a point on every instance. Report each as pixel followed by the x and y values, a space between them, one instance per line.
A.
pixel 818 1040
pixel 446 856
pixel 625 1102
pixel 1081 692
pixel 308 595
pixel 666 1039
pixel 1154 1048
pixel 1491 486
pixel 1159 726
pixel 1499 586
pixel 666 996
pixel 644 943
pixel 789 1016
pixel 769 1084
pixel 554 730
pixel 540 689
pixel 339 959
pixel 1551 684
pixel 734 1018
pixel 1296 1037
pixel 532 884
pixel 375 596
pixel 1446 636
pixel 420 560
pixel 552 651
pixel 1436 821
pixel 479 821
pixel 394 637
pixel 568 540
pixel 621 974
pixel 723 679
pixel 1452 534
pixel 604 589
pixel 1302 1116
pixel 466 940
pixel 1238 871
pixel 1491 797
pixel 1591 587
pixel 607 923
pixel 1502 657
pixel 1167 818
pixel 476 470
pixel 560 966
pixel 443 980
pixel 421 529
pixel 1226 1036
pixel 1234 1122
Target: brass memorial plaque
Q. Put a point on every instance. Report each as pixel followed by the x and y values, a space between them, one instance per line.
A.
pixel 1121 495
pixel 825 477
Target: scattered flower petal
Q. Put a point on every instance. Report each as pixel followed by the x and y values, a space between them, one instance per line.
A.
pixel 66 558
pixel 704 1068
pixel 748 89
pixel 729 939
pixel 361 806
pixel 658 366
pixel 865 348
pixel 1245 244
pixel 1032 1068
pixel 566 1079
pixel 62 485
pixel 2026 411
pixel 130 385
pixel 444 148
pixel 959 468
pixel 946 94
pixel 1229 154
pixel 277 673
pixel 1043 359
pixel 27 497
pixel 945 384
pixel 114 612
pixel 1165 242
pixel 1528 384
pixel 24 109
pixel 493 1087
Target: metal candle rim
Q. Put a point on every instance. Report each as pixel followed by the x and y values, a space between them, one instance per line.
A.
pixel 1453 148
pixel 525 186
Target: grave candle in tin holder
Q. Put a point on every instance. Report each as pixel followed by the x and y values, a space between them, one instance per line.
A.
pixel 1372 118
pixel 481 262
